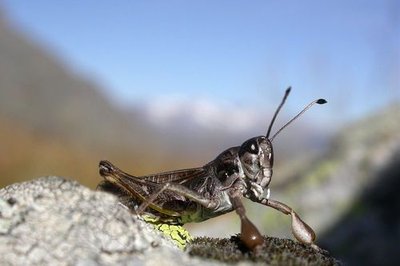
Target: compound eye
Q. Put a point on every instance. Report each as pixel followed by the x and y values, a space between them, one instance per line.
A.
pixel 252 147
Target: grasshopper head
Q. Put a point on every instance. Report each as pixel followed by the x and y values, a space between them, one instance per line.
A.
pixel 257 159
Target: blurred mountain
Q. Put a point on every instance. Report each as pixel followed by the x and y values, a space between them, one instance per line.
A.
pixel 60 115
pixel 61 118
pixel 37 90
pixel 367 232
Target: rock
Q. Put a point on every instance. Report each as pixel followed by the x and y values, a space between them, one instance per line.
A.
pixel 54 221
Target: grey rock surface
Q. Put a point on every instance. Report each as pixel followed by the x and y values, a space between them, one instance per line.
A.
pixel 54 221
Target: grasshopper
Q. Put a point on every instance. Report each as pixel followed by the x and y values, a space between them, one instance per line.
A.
pixel 197 194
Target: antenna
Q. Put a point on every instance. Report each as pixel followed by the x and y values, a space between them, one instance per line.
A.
pixel 277 110
pixel 319 101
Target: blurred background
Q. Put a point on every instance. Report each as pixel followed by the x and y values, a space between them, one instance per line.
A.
pixel 163 85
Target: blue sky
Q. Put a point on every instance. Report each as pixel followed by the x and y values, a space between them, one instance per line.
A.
pixel 231 54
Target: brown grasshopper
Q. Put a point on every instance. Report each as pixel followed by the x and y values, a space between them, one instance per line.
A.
pixel 197 194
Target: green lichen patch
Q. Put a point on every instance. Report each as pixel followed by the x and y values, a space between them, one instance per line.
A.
pixel 178 234
pixel 275 251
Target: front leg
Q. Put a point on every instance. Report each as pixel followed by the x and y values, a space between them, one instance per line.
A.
pixel 301 231
pixel 249 233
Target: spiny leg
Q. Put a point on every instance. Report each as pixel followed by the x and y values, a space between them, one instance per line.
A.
pixel 212 203
pixel 301 231
pixel 249 235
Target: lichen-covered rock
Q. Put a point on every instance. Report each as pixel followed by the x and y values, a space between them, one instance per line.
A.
pixel 54 221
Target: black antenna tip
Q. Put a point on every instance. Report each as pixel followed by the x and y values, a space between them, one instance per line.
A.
pixel 321 101
pixel 288 90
